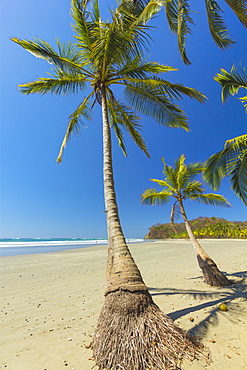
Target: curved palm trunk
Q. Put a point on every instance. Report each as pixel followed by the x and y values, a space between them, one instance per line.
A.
pixel 212 275
pixel 122 272
pixel 132 333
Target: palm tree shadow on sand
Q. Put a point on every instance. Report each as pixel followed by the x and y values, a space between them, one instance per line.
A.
pixel 227 295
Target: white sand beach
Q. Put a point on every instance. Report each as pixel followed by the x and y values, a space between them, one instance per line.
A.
pixel 50 302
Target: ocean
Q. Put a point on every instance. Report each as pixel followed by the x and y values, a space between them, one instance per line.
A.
pixel 20 246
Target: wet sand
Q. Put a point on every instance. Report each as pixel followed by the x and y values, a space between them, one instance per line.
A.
pixel 50 302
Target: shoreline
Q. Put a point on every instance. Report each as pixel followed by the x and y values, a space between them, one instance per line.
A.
pixel 51 301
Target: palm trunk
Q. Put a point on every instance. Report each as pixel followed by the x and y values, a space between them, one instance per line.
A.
pixel 122 272
pixel 212 275
pixel 132 333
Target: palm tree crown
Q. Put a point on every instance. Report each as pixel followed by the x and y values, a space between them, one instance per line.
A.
pixel 107 54
pixel 180 183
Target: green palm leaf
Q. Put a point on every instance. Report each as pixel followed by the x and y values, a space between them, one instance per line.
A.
pixel 82 112
pixel 83 28
pixel 41 49
pixel 211 199
pixel 64 85
pixel 139 69
pixel 183 28
pixel 164 184
pixel 151 101
pixel 240 9
pixel 221 164
pixel 238 177
pixel 149 11
pixel 192 188
pixel 171 9
pixel 171 90
pixel 217 26
pixel 231 82
pixel 152 197
pixel 122 115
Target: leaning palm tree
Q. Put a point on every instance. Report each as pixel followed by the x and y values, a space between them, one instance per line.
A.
pixel 180 18
pixel 180 183
pixel 132 332
pixel 232 160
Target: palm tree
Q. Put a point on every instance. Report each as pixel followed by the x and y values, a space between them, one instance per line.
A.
pixel 179 17
pixel 132 332
pixel 180 183
pixel 232 160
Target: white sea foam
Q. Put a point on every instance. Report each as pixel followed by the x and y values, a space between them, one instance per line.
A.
pixel 53 243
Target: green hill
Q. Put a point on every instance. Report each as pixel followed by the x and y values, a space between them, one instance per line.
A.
pixel 203 227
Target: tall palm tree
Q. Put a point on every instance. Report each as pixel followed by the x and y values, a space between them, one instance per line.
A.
pixel 232 160
pixel 179 15
pixel 180 183
pixel 132 332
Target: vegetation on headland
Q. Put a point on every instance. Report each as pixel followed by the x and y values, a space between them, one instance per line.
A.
pixel 203 227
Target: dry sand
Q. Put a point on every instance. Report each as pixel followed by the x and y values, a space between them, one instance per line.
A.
pixel 50 302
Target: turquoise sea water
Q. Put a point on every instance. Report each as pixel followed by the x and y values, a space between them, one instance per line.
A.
pixel 13 247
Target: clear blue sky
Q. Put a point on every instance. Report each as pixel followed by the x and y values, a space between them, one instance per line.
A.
pixel 42 199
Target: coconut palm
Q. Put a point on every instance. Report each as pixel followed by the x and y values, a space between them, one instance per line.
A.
pixel 232 160
pixel 132 332
pixel 179 16
pixel 180 183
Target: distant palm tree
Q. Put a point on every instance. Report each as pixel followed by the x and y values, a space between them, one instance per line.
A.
pixel 107 54
pixel 232 160
pixel 180 183
pixel 179 16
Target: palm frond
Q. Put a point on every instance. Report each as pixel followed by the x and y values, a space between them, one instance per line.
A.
pixel 139 69
pixel 217 26
pixel 114 42
pixel 192 188
pixel 41 49
pixel 169 89
pixel 211 199
pixel 240 9
pixel 149 11
pixel 152 102
pixel 152 197
pixel 82 112
pixel 237 143
pixel 171 9
pixel 170 174
pixel 164 183
pixel 182 175
pixel 183 29
pixel 244 101
pixel 122 115
pixel 238 177
pixel 217 166
pixel 232 81
pixel 59 85
pixel 95 11
pixel 86 26
pixel 192 170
